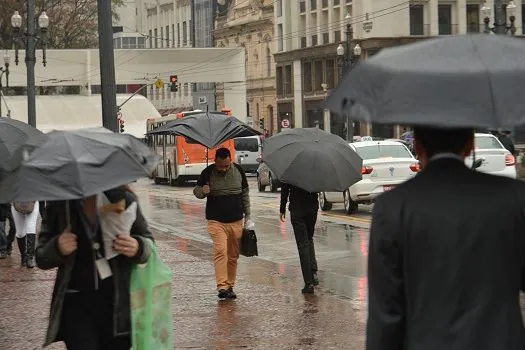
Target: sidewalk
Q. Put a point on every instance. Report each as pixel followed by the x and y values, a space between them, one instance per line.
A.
pixel 270 312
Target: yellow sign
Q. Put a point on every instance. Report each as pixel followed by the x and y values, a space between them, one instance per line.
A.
pixel 159 84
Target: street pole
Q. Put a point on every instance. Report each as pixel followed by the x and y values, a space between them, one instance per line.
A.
pixel 348 66
pixel 108 87
pixel 30 63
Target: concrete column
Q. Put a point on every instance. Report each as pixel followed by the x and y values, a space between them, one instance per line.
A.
pixel 461 20
pixel 330 20
pixel 298 94
pixel 433 14
pixel 327 120
pixel 518 25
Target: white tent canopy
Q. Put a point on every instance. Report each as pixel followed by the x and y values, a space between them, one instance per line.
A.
pixel 67 112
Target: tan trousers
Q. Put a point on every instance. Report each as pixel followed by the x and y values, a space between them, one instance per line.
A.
pixel 226 243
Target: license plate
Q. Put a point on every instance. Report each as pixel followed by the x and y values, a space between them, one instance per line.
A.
pixel 388 188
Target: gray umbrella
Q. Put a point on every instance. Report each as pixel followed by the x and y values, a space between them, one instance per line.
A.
pixel 207 128
pixel 13 134
pixel 76 164
pixel 313 160
pixel 457 81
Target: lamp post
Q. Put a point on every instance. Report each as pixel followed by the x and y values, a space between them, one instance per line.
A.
pixel 28 40
pixel 501 25
pixel 348 57
pixel 4 70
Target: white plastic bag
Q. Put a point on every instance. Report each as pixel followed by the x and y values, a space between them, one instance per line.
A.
pixel 249 225
pixel 113 223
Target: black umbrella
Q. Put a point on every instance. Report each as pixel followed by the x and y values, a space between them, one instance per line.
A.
pixel 77 164
pixel 13 134
pixel 313 160
pixel 207 128
pixel 456 81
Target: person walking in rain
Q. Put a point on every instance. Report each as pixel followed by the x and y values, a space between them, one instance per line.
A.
pixel 5 246
pixel 25 215
pixel 225 187
pixel 303 215
pixel 446 265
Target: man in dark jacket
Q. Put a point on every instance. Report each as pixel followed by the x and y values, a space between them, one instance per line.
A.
pixel 506 141
pixel 445 266
pixel 303 215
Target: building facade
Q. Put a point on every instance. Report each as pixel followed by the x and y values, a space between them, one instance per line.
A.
pixel 167 24
pixel 251 25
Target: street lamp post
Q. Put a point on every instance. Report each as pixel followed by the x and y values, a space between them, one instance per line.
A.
pixel 4 70
pixel 28 40
pixel 347 59
pixel 501 26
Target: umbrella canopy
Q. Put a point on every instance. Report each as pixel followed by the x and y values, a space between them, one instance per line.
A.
pixel 313 160
pixel 456 81
pixel 77 164
pixel 13 134
pixel 207 128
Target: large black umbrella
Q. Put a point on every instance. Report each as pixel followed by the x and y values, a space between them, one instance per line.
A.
pixel 76 164
pixel 313 160
pixel 207 128
pixel 456 81
pixel 13 134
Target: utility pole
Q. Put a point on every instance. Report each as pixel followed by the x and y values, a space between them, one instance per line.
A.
pixel 30 63
pixel 108 85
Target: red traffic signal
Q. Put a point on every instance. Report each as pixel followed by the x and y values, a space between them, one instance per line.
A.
pixel 173 79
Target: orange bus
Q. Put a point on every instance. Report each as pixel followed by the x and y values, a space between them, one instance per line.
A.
pixel 181 159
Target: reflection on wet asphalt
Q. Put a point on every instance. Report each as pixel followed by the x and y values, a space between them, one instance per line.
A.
pixel 341 248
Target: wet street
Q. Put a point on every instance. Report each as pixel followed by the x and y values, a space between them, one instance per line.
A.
pixel 270 312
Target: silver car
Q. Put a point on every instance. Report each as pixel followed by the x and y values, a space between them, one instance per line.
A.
pixel 265 177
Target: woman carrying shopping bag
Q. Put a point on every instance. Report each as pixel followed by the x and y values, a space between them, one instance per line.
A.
pixel 90 308
pixel 25 216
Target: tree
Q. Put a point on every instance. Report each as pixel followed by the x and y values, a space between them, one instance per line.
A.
pixel 72 23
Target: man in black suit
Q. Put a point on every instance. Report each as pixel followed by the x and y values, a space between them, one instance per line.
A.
pixel 447 255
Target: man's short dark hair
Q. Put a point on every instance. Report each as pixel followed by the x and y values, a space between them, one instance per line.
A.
pixel 223 153
pixel 441 140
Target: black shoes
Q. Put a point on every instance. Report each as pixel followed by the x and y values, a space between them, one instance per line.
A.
pixel 227 294
pixel 30 250
pixel 308 289
pixel 3 254
pixel 316 280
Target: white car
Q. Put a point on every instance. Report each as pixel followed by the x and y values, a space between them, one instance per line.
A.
pixel 493 157
pixel 385 165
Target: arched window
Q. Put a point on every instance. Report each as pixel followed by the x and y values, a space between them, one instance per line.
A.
pixel 268 62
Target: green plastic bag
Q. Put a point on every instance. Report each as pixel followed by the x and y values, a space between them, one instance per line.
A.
pixel 150 296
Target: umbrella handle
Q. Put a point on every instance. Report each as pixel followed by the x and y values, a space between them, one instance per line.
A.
pixel 68 216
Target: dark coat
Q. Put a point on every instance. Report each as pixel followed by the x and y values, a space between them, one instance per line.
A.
pixel 48 257
pixel 446 262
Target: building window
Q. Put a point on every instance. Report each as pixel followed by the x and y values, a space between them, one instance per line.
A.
pixel 307 76
pixel 445 19
pixel 150 37
pixel 141 43
pixel 184 33
pixel 156 35
pixel 336 2
pixel 318 75
pixel 417 26
pixel 330 73
pixel 303 42
pixel 302 6
pixel 288 80
pixel 473 20
pixel 314 40
pixel 279 81
pixel 313 5
pixel 190 31
pixel 337 36
pixel 168 43
pixel 161 37
pixel 326 38
pixel 279 4
pixel 257 111
pixel 268 62
pixel 325 3
pixel 280 37
pixel 178 34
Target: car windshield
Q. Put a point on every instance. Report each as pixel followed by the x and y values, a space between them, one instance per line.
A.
pixel 383 151
pixel 487 142
pixel 247 145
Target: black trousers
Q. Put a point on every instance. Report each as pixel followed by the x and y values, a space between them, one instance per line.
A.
pixel 7 238
pixel 87 322
pixel 303 228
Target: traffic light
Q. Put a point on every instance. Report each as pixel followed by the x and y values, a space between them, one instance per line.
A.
pixel 261 123
pixel 174 85
pixel 121 122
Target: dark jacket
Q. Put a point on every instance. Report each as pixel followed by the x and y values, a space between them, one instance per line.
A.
pixel 301 201
pixel 507 143
pixel 5 211
pixel 49 257
pixel 446 262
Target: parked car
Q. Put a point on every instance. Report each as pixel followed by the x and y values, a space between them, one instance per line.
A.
pixel 265 177
pixel 248 152
pixel 386 164
pixel 492 156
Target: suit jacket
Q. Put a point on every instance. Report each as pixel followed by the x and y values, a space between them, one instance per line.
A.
pixel 446 262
